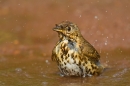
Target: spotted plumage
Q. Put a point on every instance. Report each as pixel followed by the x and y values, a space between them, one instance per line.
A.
pixel 74 55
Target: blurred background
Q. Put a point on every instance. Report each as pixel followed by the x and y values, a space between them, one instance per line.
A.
pixel 29 23
pixel 26 28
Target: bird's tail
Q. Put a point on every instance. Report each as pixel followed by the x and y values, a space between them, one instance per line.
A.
pixel 102 67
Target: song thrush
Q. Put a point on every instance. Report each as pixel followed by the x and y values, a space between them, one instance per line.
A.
pixel 74 55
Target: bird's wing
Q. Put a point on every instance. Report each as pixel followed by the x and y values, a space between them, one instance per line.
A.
pixel 90 52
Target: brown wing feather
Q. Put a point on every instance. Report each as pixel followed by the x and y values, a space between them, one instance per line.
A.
pixel 90 52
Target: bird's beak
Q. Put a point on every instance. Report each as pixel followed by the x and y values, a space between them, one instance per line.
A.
pixel 57 28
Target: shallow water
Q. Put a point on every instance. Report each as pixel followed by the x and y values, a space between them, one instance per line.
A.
pixel 18 70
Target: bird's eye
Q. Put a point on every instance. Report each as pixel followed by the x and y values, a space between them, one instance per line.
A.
pixel 69 28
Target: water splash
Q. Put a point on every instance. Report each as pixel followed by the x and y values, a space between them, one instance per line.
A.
pixel 18 70
pixel 44 83
pixel 121 73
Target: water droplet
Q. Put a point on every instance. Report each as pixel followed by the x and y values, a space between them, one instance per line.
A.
pixel 105 43
pixel 18 70
pixel 80 16
pixel 47 61
pixel 95 17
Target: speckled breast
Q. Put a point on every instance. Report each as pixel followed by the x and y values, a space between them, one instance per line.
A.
pixel 71 62
pixel 67 58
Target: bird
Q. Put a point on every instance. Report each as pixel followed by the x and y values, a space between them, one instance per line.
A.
pixel 74 55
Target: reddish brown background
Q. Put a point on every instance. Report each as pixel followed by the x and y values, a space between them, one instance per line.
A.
pixel 26 25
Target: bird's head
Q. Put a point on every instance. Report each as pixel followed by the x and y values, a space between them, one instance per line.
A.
pixel 67 29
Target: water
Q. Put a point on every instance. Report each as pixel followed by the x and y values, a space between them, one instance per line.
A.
pixel 41 71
